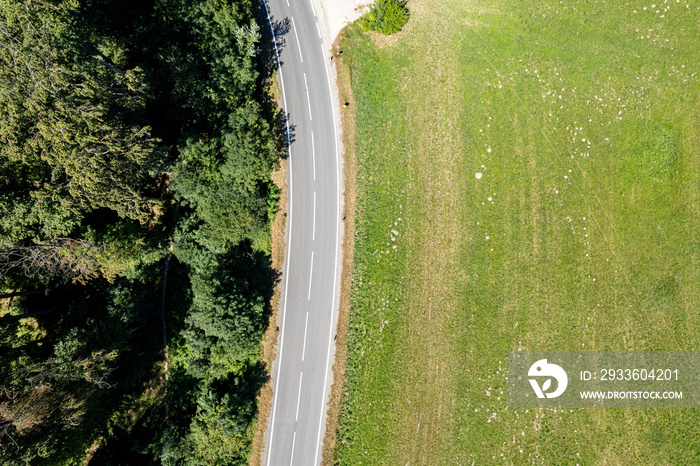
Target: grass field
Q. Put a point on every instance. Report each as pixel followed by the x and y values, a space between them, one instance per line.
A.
pixel 582 118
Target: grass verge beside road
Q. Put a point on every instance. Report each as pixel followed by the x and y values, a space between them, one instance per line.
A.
pixel 580 234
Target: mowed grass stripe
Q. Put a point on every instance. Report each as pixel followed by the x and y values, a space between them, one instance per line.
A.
pixel 579 235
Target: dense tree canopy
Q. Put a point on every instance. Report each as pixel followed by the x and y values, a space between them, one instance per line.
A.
pixel 128 129
pixel 71 133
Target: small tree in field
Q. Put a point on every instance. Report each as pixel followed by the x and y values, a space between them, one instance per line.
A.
pixel 386 17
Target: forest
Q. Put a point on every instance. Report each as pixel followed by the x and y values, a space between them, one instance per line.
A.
pixel 137 143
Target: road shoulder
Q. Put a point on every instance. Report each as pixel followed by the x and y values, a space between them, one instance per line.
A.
pixel 347 122
pixel 270 338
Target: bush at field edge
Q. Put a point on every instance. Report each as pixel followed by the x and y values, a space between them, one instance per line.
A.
pixel 386 17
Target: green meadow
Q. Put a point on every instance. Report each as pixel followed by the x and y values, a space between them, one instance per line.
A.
pixel 528 179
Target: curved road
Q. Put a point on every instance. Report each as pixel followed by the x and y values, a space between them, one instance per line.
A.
pixel 301 375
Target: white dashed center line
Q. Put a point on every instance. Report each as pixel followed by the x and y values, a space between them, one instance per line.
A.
pixel 294 441
pixel 306 326
pixel 297 36
pixel 311 276
pixel 313 153
pixel 308 98
pixel 301 377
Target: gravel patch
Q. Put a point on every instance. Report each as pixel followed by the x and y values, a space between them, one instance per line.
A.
pixel 334 15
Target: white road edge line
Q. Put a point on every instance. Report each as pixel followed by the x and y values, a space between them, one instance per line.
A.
pixel 287 2
pixel 318 29
pixel 289 242
pixel 313 153
pixel 297 36
pixel 308 98
pixel 311 276
pixel 312 7
pixel 313 228
pixel 337 252
pixel 306 327
pixel 301 377
pixel 294 441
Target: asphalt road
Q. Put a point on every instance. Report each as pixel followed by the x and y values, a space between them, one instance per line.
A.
pixel 301 376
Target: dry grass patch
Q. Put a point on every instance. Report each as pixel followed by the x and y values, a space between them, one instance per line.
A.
pixel 348 116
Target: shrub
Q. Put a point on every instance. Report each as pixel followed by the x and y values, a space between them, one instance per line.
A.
pixel 386 17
